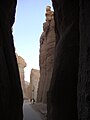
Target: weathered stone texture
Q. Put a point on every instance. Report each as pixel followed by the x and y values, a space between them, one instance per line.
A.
pixel 69 93
pixel 27 90
pixel 47 47
pixel 21 65
pixel 11 98
pixel 63 88
pixel 84 62
pixel 34 80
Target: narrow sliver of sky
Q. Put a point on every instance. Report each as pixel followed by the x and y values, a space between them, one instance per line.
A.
pixel 28 26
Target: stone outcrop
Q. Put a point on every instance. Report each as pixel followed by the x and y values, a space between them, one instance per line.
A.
pixel 46 58
pixel 11 98
pixel 21 65
pixel 27 90
pixel 69 93
pixel 62 95
pixel 34 80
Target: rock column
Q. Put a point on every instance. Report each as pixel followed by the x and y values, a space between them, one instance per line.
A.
pixel 34 80
pixel 21 65
pixel 47 47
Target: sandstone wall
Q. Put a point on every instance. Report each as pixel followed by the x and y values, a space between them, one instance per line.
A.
pixel 46 57
pixel 21 65
pixel 72 25
pixel 11 98
pixel 27 90
pixel 34 80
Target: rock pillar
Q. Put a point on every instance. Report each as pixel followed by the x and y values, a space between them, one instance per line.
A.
pixel 34 80
pixel 47 48
pixel 21 65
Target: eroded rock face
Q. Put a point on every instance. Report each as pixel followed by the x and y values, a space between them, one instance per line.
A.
pixel 21 65
pixel 27 90
pixel 34 80
pixel 63 88
pixel 11 98
pixel 47 47
pixel 69 93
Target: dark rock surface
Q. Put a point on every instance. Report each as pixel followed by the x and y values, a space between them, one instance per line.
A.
pixel 62 95
pixel 11 98
pixel 84 62
pixel 69 93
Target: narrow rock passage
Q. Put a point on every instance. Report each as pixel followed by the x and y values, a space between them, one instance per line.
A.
pixel 29 113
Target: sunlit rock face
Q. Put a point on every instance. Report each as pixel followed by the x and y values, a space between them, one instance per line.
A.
pixel 11 98
pixel 46 57
pixel 27 90
pixel 34 80
pixel 21 65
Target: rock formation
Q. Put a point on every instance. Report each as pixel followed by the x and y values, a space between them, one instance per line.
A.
pixel 63 89
pixel 34 80
pixel 11 98
pixel 69 93
pixel 27 89
pixel 21 65
pixel 46 58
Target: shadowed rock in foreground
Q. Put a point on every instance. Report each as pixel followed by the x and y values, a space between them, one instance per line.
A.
pixel 69 93
pixel 11 99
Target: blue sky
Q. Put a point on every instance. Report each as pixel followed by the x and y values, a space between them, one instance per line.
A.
pixel 30 15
